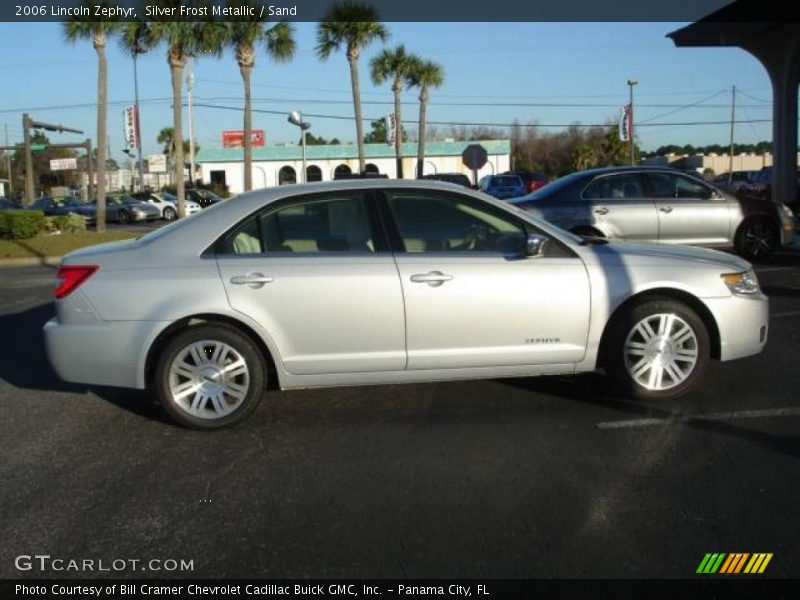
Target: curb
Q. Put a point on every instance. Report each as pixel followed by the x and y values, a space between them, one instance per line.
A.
pixel 33 261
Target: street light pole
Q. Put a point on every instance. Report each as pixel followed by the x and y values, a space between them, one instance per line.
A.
pixel 631 83
pixel 295 118
pixel 138 121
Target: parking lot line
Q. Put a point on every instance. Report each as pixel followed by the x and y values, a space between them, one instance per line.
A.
pixel 679 418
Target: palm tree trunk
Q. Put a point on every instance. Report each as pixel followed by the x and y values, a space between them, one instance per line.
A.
pixel 248 127
pixel 176 69
pixel 357 106
pixel 398 133
pixel 102 108
pixel 423 98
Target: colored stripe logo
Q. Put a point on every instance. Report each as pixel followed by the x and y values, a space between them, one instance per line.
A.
pixel 734 563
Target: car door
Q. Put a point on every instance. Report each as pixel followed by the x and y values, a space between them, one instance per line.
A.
pixel 472 297
pixel 689 211
pixel 619 206
pixel 315 274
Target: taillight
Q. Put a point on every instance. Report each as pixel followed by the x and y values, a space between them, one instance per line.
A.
pixel 71 277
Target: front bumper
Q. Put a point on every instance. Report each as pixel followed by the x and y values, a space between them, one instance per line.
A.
pixel 100 353
pixel 743 323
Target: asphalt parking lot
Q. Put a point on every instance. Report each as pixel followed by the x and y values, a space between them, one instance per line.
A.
pixel 546 477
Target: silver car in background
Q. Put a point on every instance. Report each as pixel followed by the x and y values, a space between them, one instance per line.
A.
pixel 660 205
pixel 385 281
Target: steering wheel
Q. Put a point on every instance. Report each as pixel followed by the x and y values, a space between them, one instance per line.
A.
pixel 477 238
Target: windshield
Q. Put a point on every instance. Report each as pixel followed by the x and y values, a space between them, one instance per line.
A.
pixel 507 182
pixel 550 188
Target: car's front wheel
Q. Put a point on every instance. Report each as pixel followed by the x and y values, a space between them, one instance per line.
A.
pixel 123 217
pixel 210 376
pixel 657 349
pixel 169 214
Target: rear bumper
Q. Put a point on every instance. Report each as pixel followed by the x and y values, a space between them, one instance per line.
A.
pixel 743 324
pixel 101 353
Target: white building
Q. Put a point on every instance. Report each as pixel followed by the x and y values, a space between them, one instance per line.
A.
pixel 277 165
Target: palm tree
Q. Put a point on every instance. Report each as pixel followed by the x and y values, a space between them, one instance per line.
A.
pixel 395 65
pixel 424 74
pixel 183 40
pixel 353 25
pixel 243 36
pixel 79 29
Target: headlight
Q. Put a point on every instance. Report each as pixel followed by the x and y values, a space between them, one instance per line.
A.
pixel 741 283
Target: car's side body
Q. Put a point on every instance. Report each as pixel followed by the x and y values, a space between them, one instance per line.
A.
pixel 651 204
pixel 347 318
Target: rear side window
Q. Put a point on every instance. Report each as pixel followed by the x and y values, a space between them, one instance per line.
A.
pixel 615 187
pixel 315 225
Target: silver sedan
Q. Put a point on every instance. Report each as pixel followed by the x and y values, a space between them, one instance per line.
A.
pixel 381 281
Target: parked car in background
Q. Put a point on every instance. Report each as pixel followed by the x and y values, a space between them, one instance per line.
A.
pixel 7 204
pixel 660 205
pixel 125 209
pixel 388 281
pixel 730 182
pixel 64 206
pixel 457 178
pixel 167 203
pixel 204 198
pixel 503 187
pixel 760 188
pixel 531 180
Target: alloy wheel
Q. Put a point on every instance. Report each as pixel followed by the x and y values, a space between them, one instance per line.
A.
pixel 661 351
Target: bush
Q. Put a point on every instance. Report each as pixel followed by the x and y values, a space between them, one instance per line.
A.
pixel 65 224
pixel 21 224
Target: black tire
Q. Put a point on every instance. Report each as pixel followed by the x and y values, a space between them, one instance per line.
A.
pixel 756 239
pixel 616 362
pixel 169 214
pixel 240 343
pixel 123 217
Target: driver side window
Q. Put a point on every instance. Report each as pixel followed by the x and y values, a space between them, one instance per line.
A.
pixel 443 223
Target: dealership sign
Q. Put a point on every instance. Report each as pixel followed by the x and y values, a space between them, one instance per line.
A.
pixel 130 118
pixel 625 123
pixel 157 163
pixel 235 139
pixel 63 164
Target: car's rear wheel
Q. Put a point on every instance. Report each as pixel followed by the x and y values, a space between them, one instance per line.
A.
pixel 657 349
pixel 210 376
pixel 756 239
pixel 123 217
pixel 169 214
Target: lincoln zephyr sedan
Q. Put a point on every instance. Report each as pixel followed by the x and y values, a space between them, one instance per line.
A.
pixel 385 281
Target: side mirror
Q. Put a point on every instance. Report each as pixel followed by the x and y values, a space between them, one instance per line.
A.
pixel 535 245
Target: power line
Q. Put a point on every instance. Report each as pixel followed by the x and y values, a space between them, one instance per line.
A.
pixel 475 124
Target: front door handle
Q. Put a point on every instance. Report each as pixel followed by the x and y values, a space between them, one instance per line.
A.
pixel 433 279
pixel 601 211
pixel 253 280
pixel 666 209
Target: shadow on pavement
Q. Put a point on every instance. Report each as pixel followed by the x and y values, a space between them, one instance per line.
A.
pixel 24 364
pixel 597 390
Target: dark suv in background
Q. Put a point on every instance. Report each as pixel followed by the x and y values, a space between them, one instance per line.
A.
pixel 760 188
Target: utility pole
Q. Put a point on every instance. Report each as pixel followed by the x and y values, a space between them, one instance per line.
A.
pixel 8 168
pixel 733 120
pixel 26 137
pixel 631 83
pixel 190 85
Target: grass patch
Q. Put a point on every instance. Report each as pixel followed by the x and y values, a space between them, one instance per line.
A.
pixel 58 245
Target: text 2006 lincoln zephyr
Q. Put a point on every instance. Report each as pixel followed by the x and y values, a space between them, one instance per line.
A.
pixel 381 281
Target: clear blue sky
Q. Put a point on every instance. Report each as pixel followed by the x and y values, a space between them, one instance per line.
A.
pixel 484 63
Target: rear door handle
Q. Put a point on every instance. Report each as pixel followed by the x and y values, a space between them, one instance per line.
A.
pixel 665 209
pixel 601 211
pixel 254 280
pixel 433 278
